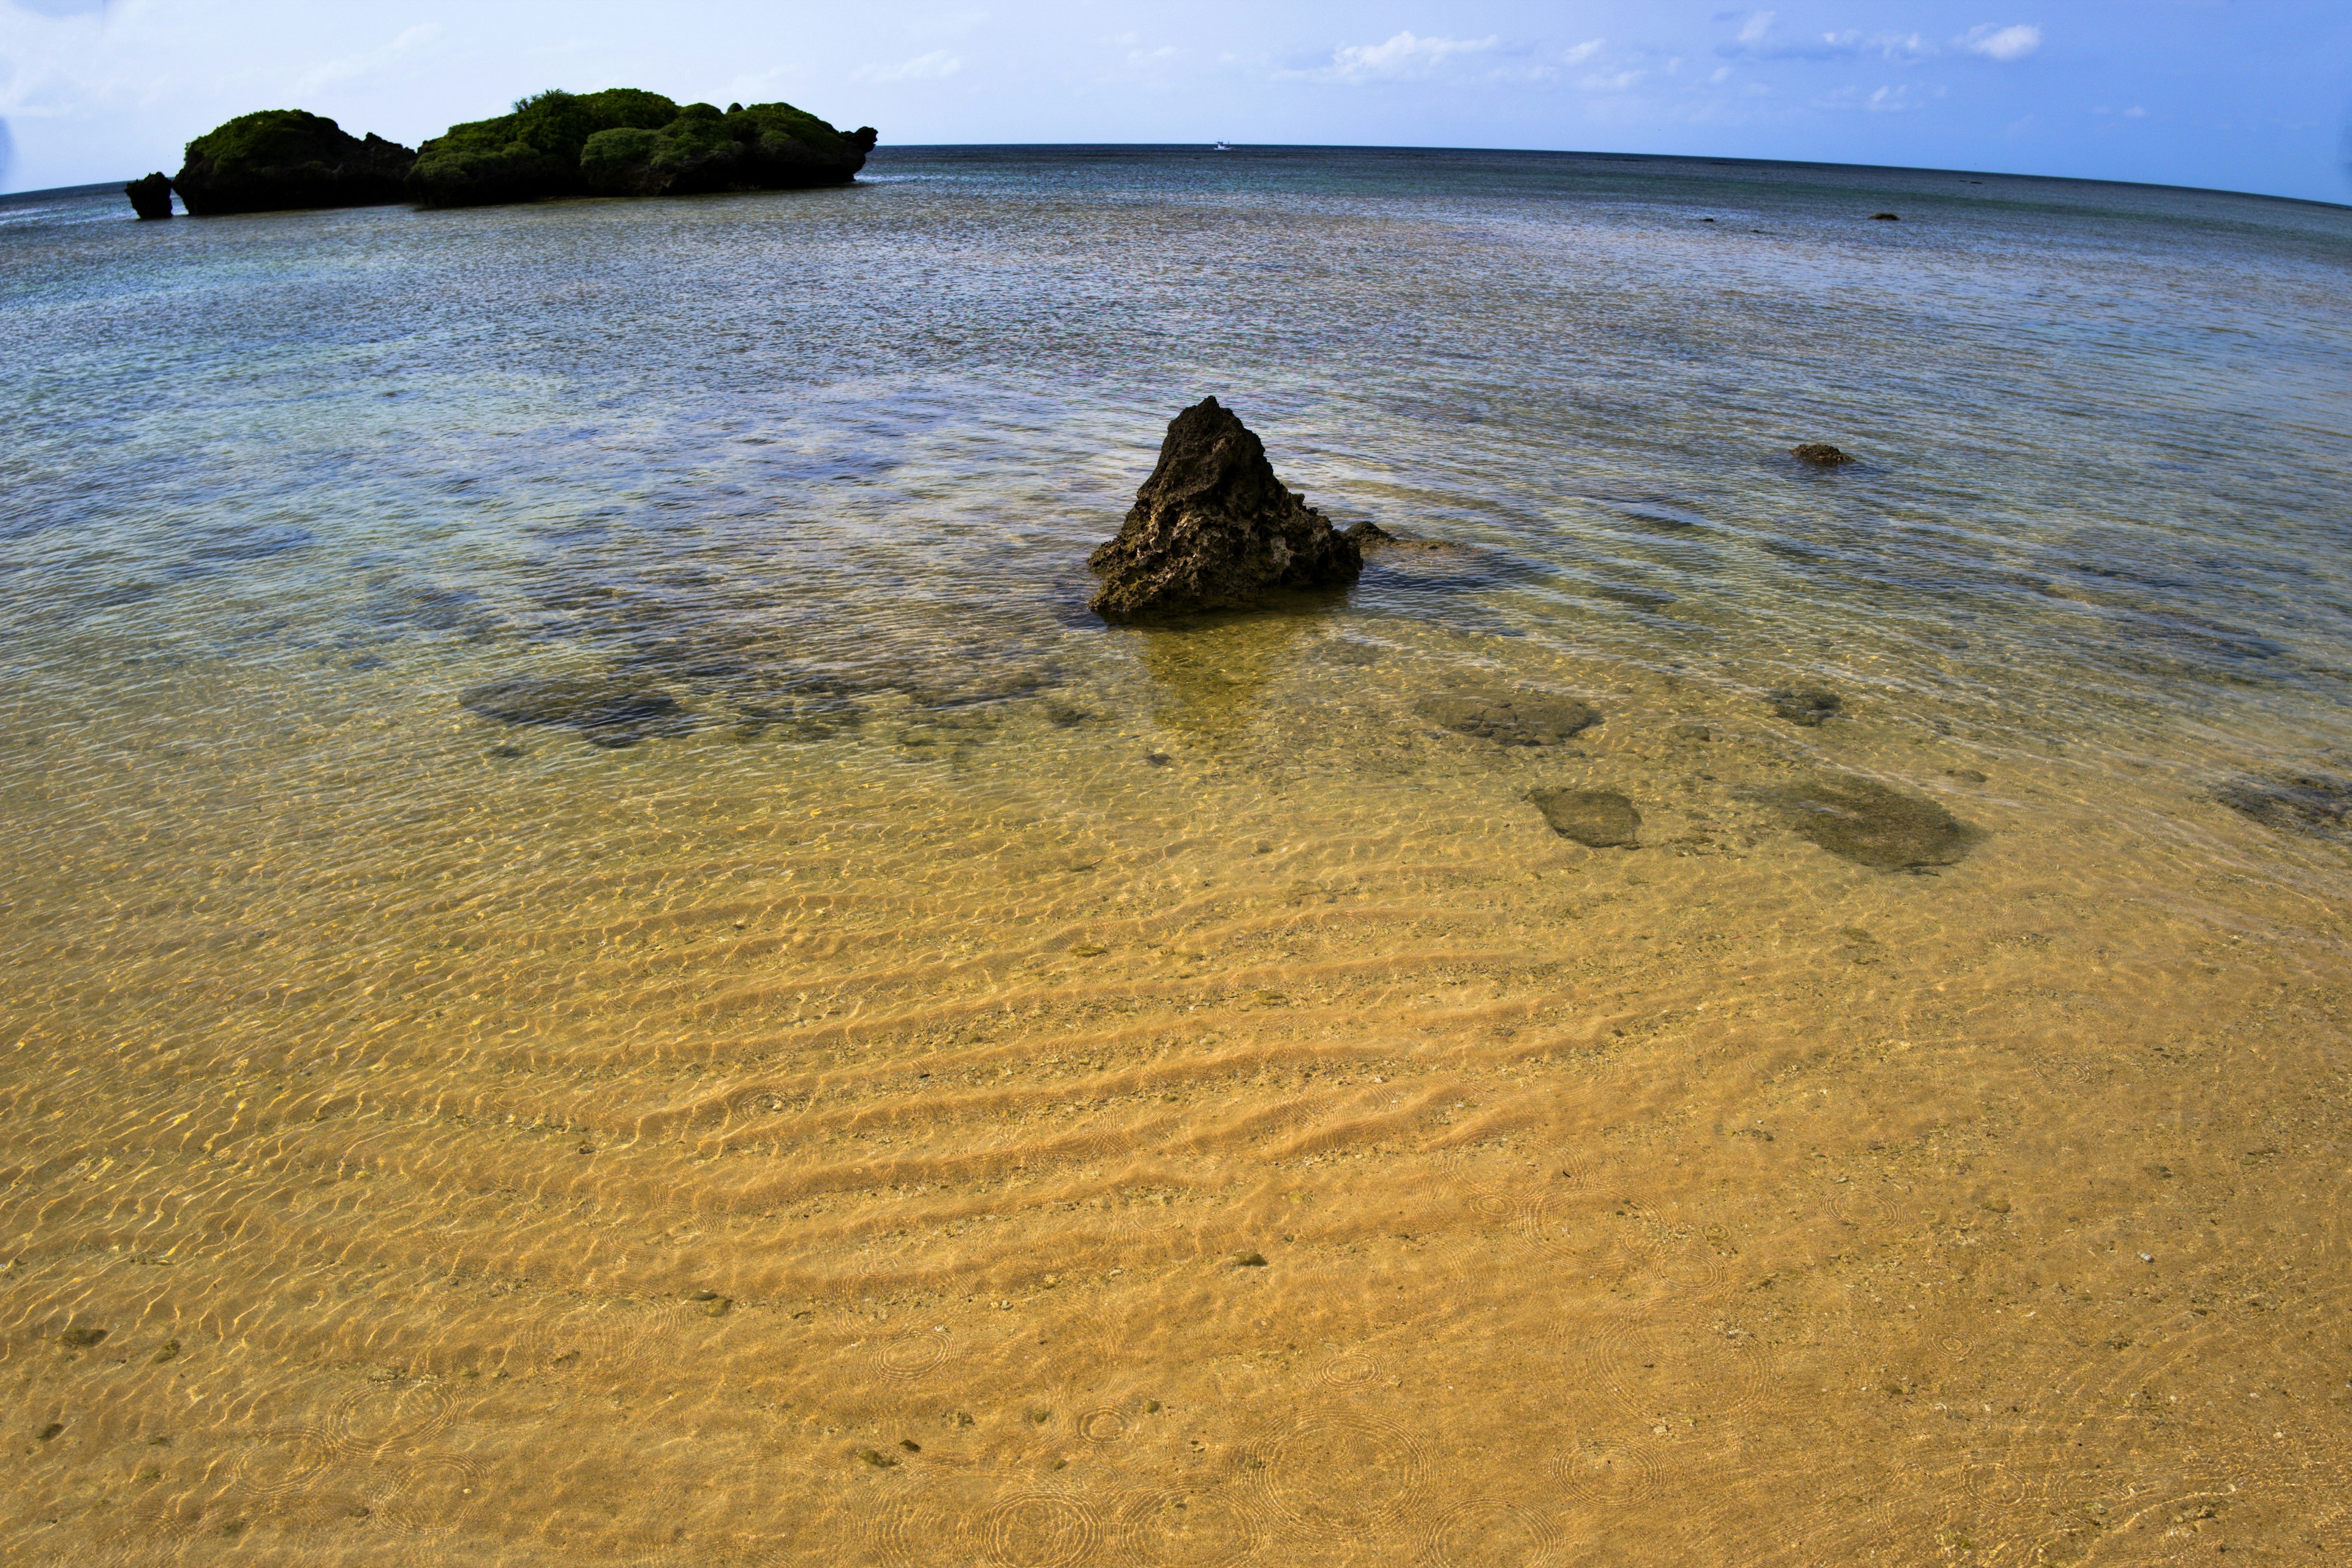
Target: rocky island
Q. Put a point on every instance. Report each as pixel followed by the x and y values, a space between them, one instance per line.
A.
pixel 618 142
pixel 626 142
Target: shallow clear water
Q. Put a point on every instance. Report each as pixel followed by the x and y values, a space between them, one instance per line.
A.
pixel 924 952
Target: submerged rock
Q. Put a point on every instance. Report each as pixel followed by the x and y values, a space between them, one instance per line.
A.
pixel 150 197
pixel 1518 720
pixel 1866 822
pixel 1821 454
pixel 1213 528
pixel 609 714
pixel 624 142
pixel 1807 705
pixel 1596 818
pixel 283 158
pixel 2297 803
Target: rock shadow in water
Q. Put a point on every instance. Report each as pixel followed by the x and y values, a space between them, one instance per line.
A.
pixel 2316 803
pixel 1870 823
pixel 1212 671
pixel 607 712
pixel 1596 818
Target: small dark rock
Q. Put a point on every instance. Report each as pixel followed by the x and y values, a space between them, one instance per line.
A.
pixel 1369 533
pixel 910 1445
pixel 1520 719
pixel 1807 705
pixel 1886 218
pixel 1596 818
pixel 877 1458
pixel 1821 454
pixel 81 1339
pixel 50 1431
pixel 168 1350
pixel 1966 776
pixel 2297 802
pixel 1692 732
pixel 150 198
pixel 1213 528
pixel 1249 1259
pixel 1864 821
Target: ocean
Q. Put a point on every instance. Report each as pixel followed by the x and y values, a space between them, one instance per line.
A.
pixel 600 963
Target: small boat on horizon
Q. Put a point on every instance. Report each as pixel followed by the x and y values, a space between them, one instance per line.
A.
pixel 1223 147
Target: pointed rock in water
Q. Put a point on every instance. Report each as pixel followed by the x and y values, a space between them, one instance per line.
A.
pixel 150 197
pixel 1596 818
pixel 1213 529
pixel 1821 454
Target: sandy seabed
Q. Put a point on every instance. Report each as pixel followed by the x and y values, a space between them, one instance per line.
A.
pixel 1237 1131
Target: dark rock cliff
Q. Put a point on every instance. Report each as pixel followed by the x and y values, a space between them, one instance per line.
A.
pixel 281 159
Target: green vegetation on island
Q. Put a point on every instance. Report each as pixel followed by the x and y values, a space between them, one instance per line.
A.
pixel 626 143
pixel 619 142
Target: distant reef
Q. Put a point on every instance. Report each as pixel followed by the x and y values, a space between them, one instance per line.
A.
pixel 281 159
pixel 617 142
pixel 625 143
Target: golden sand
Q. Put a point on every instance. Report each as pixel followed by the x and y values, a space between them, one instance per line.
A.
pixel 1228 1126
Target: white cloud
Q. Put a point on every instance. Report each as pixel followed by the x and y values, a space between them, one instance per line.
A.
pixel 1402 54
pixel 1582 52
pixel 1758 25
pixel 932 67
pixel 2002 43
pixel 352 68
pixel 1890 99
pixel 1601 81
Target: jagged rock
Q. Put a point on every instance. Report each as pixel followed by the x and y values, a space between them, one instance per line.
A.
pixel 1369 533
pixel 283 158
pixel 150 197
pixel 1213 528
pixel 624 142
pixel 1821 454
pixel 1520 719
pixel 1596 818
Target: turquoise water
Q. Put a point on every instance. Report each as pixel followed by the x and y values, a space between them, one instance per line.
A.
pixel 844 433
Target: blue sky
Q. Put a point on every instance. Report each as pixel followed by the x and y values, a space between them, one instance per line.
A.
pixel 2249 96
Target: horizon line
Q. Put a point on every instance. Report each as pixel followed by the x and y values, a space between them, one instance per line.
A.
pixel 1521 151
